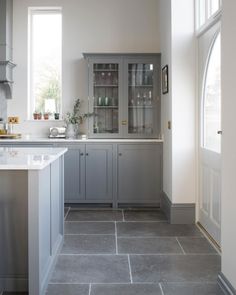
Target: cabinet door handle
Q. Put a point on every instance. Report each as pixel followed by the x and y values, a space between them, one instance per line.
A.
pixel 120 154
pixel 87 154
pixel 81 154
pixel 219 132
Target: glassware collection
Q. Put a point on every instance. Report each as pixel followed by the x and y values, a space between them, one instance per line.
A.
pixel 105 80
pixel 140 100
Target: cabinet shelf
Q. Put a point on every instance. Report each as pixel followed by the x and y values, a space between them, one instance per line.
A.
pixel 95 85
pixel 141 107
pixel 106 70
pixel 141 86
pixel 106 107
pixel 134 71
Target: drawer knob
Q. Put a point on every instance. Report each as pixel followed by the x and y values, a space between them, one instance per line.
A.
pixel 120 154
pixel 81 154
pixel 87 154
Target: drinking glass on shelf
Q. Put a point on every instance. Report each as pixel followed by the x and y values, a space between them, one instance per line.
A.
pixel 102 78
pixel 138 99
pixel 144 99
pixel 106 101
pixel 150 98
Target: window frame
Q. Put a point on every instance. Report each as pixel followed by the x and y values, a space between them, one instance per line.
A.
pixel 30 93
pixel 209 20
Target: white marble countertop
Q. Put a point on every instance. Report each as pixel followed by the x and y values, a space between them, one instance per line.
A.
pixel 31 139
pixel 17 158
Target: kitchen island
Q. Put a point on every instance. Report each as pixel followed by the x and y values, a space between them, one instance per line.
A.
pixel 31 216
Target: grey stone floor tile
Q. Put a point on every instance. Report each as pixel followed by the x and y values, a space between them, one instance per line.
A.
pixel 91 269
pixel 67 289
pixel 94 215
pixel 191 289
pixel 144 215
pixel 155 229
pixel 128 289
pixel 89 244
pixel 174 268
pixel 148 246
pixel 195 245
pixel 83 227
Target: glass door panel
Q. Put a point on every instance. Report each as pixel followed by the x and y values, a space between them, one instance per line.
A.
pixel 212 100
pixel 106 94
pixel 140 98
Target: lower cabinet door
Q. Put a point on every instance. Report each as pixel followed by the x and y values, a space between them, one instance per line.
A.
pixel 139 173
pixel 98 172
pixel 74 176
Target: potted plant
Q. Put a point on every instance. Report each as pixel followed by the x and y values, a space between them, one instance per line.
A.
pixel 39 116
pixel 46 115
pixel 56 116
pixel 35 115
pixel 74 119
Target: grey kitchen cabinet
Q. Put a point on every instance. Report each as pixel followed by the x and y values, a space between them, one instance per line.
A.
pixel 88 173
pixel 124 95
pixel 98 172
pixel 74 174
pixel 139 173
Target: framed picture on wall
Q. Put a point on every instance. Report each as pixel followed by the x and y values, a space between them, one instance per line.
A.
pixel 165 80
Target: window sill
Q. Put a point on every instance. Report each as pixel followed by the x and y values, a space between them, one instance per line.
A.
pixel 42 120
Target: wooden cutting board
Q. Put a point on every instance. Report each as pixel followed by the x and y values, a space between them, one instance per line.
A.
pixel 10 136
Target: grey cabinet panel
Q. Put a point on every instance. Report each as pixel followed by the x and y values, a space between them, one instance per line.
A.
pixel 55 205
pixel 139 173
pixel 74 174
pixel 98 172
pixel 44 219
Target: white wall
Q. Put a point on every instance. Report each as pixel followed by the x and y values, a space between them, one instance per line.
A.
pixel 178 106
pixel 228 141
pixel 88 26
pixel 183 102
pixel 166 101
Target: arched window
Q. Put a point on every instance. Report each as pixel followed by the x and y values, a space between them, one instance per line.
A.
pixel 212 99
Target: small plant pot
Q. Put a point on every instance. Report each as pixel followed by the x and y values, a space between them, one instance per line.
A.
pixel 56 116
pixel 39 116
pixel 46 116
pixel 35 115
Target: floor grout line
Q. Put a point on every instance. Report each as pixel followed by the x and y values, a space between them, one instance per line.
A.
pixel 116 238
pixel 180 246
pixel 89 234
pixel 66 213
pixel 130 272
pixel 90 286
pixel 162 292
pixel 123 214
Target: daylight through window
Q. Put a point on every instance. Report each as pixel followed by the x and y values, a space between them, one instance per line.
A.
pixel 45 43
pixel 205 9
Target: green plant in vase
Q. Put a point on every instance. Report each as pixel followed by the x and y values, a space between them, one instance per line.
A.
pixel 75 118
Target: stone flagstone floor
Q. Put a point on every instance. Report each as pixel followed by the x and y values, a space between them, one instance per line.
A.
pixel 133 252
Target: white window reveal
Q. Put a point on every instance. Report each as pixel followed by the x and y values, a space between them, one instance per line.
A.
pixel 45 61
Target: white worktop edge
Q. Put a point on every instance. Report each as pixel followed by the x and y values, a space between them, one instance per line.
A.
pixel 57 153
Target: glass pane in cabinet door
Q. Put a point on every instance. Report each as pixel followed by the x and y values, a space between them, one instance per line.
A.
pixel 141 102
pixel 106 94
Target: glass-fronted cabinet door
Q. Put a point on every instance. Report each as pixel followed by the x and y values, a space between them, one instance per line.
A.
pixel 104 98
pixel 143 99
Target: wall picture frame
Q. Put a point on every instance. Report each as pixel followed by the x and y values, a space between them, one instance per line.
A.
pixel 165 80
